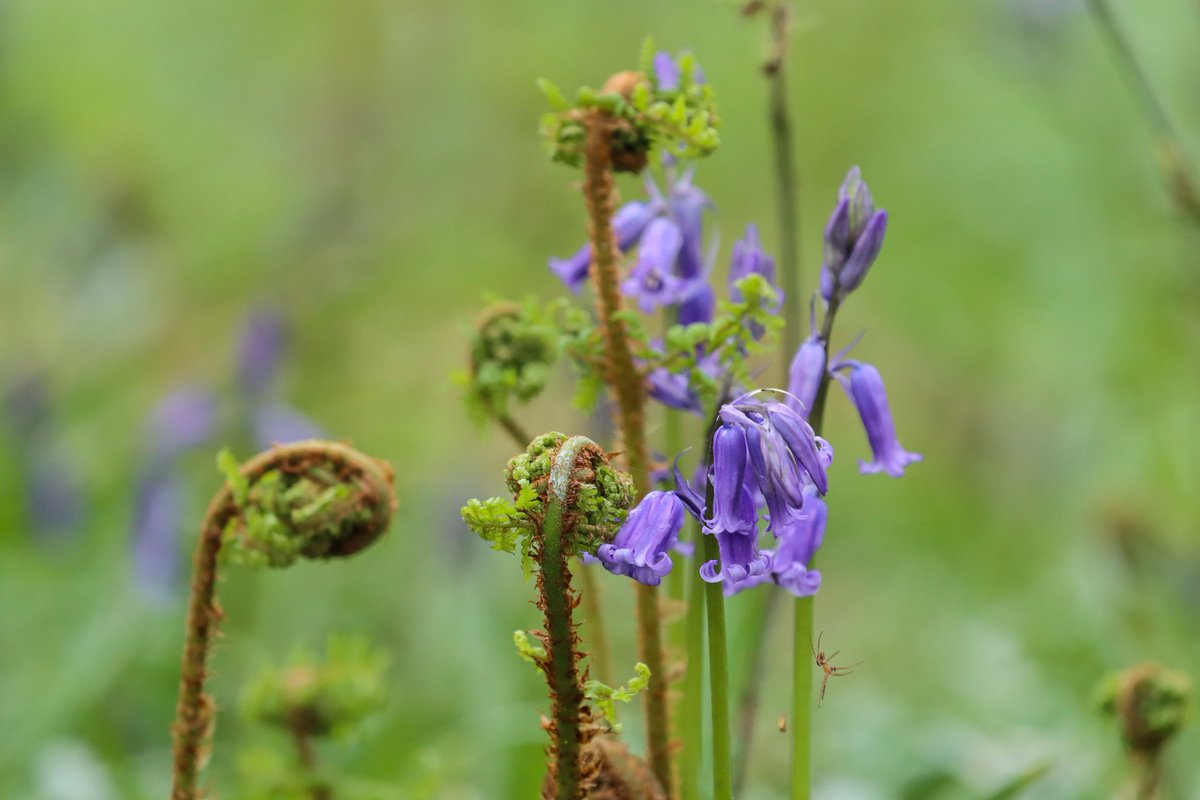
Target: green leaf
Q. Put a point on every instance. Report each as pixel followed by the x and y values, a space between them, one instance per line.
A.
pixel 554 95
pixel 229 467
pixel 605 697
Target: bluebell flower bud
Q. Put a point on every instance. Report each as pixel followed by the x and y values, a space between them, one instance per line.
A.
pixel 640 549
pixel 804 375
pixel 748 258
pixel 865 388
pixel 853 237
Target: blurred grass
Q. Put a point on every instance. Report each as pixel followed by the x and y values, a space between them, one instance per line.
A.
pixel 373 170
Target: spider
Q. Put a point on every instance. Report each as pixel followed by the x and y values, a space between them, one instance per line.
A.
pixel 830 669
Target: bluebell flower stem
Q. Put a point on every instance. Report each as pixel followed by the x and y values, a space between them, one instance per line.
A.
pixel 625 383
pixel 692 711
pixel 719 670
pixel 802 661
pixel 802 683
pixel 786 182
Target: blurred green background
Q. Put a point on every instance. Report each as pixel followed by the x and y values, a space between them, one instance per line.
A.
pixel 371 171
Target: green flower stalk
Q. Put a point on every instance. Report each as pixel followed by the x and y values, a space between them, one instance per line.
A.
pixel 312 499
pixel 567 501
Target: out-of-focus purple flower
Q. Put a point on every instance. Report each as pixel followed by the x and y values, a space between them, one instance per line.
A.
pixel 652 282
pixel 865 388
pixel 157 532
pixel 853 238
pixel 804 375
pixel 260 352
pixel 686 204
pixel 185 418
pixel 629 223
pixel 54 498
pixel 748 258
pixel 640 549
pixel 666 71
pixel 275 423
pixel 674 389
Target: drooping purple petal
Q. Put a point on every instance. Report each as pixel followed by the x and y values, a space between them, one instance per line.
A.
pixel 640 549
pixel 866 250
pixel 800 440
pixel 865 388
pixel 728 477
pixel 741 562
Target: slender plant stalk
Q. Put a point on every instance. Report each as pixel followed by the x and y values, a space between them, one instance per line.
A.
pixel 298 725
pixel 193 712
pixel 802 662
pixel 692 711
pixel 787 204
pixel 557 600
pixel 719 669
pixel 1179 173
pixel 1148 772
pixel 786 183
pixel 760 626
pixel 625 383
pixel 513 428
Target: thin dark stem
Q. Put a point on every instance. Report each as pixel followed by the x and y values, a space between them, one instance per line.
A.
pixel 307 755
pixel 512 428
pixel 1178 171
pixel 786 183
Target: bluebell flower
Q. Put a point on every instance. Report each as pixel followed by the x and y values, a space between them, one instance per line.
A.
pixel 158 532
pixel 733 506
pixel 629 223
pixel 805 373
pixel 865 388
pixel 749 258
pixel 742 564
pixel 184 419
pixel 640 549
pixel 666 71
pixel 853 237
pixel 652 282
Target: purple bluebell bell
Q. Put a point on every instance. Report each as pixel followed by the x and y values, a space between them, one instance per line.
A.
pixel 686 204
pixel 741 564
pixel 629 223
pixel 675 389
pixel 804 375
pixel 733 506
pixel 666 71
pixel 260 352
pixel 853 237
pixel 864 385
pixel 748 258
pixel 784 452
pixel 652 282
pixel 640 549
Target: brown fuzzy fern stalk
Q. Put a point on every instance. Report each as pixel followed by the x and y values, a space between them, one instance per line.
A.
pixel 311 499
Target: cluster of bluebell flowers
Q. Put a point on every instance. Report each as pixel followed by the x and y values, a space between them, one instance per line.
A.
pixel 768 470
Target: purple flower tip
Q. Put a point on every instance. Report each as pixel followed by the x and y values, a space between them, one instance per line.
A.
pixel 640 549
